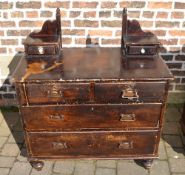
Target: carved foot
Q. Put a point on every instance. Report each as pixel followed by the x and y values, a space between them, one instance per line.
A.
pixel 148 163
pixel 38 165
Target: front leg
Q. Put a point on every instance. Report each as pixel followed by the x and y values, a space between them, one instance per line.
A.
pixel 36 164
pixel 147 163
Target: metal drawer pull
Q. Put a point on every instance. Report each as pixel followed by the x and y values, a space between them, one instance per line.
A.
pixel 143 51
pixel 129 93
pixel 41 50
pixel 126 145
pixel 54 93
pixel 57 117
pixel 127 117
pixel 59 145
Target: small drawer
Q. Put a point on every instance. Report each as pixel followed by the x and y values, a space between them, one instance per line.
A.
pixel 87 144
pixel 91 117
pixel 129 92
pixel 48 93
pixel 141 50
pixel 42 50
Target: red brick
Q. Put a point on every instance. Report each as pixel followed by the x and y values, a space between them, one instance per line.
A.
pixel 174 65
pixel 87 41
pixel 105 14
pixel 174 49
pixel 118 33
pixel 86 23
pixel 177 32
pixel 148 14
pixel 160 5
pixel 19 49
pixel 180 87
pixel 182 41
pixel 111 41
pixel 133 14
pixel 6 5
pixel 46 14
pixel 180 57
pixel 77 4
pixel 17 14
pixel 132 4
pixel 66 23
pixel 18 32
pixel 177 15
pixel 75 14
pixel 169 41
pixel 90 14
pixel 108 4
pixel 9 41
pixel 179 5
pixel 63 4
pixel 146 23
pixel 73 32
pixel 3 50
pixel 32 14
pixel 113 23
pixel 5 15
pixel 66 40
pixel 162 15
pixel 26 23
pixel 158 32
pixel 100 32
pixel 30 4
pixel 166 24
pixel 1 33
pixel 7 24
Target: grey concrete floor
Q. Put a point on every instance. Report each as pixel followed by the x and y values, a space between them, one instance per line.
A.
pixel 13 159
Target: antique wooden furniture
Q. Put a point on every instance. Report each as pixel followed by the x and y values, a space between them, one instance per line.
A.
pixel 183 120
pixel 90 103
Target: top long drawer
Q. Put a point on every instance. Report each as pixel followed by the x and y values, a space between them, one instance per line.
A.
pixel 70 93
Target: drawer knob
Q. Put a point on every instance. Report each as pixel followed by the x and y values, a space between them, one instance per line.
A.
pixel 125 145
pixel 56 117
pixel 143 51
pixel 129 93
pixel 41 50
pixel 127 117
pixel 59 145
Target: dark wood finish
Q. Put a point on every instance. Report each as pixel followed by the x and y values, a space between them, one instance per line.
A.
pixel 91 117
pixel 183 120
pixel 46 42
pixel 92 102
pixel 97 144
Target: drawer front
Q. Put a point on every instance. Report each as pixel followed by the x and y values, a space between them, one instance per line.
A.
pixel 42 50
pixel 90 117
pixel 57 93
pixel 141 50
pixel 129 92
pixel 111 144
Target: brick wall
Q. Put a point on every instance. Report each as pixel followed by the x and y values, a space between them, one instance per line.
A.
pixel 101 21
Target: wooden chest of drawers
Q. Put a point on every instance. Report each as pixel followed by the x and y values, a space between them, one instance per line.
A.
pixel 89 105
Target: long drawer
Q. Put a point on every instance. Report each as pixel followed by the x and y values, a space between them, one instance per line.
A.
pixel 90 117
pixel 126 92
pixel 130 92
pixel 57 92
pixel 87 144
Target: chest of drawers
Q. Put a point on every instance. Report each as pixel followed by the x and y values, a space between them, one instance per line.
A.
pixel 89 104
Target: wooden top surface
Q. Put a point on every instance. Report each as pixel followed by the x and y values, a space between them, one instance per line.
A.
pixel 90 64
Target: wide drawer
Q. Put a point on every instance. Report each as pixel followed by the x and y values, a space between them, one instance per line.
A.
pixel 90 117
pixel 129 92
pixel 57 92
pixel 142 50
pixel 97 144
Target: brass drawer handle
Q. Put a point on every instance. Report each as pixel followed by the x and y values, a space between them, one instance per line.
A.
pixel 59 145
pixel 54 93
pixel 125 145
pixel 57 117
pixel 129 93
pixel 127 117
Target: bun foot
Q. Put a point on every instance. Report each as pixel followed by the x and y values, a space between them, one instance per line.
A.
pixel 147 163
pixel 38 165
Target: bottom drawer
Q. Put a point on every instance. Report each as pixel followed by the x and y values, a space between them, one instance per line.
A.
pixel 93 144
